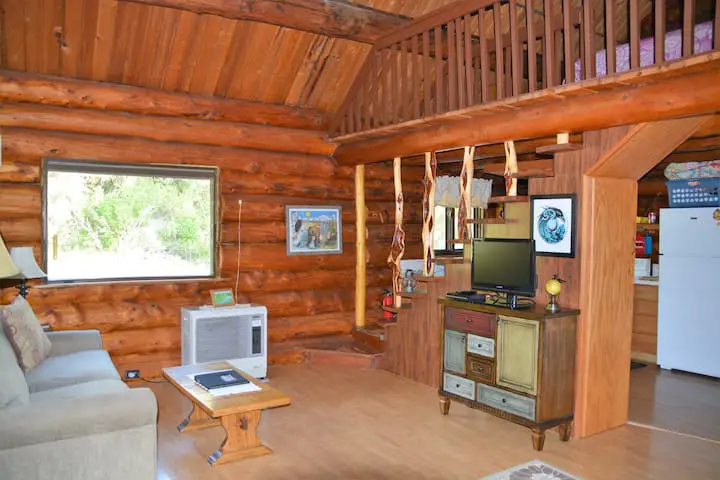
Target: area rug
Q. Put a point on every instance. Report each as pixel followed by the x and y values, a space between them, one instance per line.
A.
pixel 535 470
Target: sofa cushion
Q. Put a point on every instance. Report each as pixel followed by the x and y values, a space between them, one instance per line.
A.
pixel 72 369
pixel 25 333
pixel 13 386
pixel 96 387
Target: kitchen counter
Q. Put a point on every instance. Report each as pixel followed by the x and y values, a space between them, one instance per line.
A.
pixel 645 281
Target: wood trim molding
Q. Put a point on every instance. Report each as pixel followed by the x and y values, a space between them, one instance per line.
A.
pixel 644 147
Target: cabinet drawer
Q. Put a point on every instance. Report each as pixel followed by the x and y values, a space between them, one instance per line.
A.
pixel 473 322
pixel 506 401
pixel 459 386
pixel 481 345
pixel 480 369
pixel 454 357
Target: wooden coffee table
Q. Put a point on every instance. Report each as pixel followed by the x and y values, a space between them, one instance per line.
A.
pixel 239 414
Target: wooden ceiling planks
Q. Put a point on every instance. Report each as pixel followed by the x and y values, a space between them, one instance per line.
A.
pixel 175 50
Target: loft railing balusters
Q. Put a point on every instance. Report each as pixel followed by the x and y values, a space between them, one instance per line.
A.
pixel 688 29
pixel 532 45
pixel 469 72
pixel 499 61
pixel 634 34
pixel 439 73
pixel 514 47
pixel 610 35
pixel 660 16
pixel 484 60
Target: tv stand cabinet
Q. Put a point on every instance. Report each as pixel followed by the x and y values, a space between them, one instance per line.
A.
pixel 518 365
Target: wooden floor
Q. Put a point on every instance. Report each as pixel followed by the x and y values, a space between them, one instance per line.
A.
pixel 348 423
pixel 679 402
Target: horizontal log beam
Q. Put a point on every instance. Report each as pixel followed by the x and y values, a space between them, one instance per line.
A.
pixel 333 18
pixel 30 143
pixel 164 129
pixel 65 92
pixel 671 97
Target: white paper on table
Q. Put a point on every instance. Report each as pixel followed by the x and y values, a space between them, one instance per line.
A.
pixel 235 389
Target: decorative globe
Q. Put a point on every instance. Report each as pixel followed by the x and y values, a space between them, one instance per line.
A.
pixel 553 286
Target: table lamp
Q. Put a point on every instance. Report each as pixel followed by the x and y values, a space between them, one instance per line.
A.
pixel 7 266
pixel 25 260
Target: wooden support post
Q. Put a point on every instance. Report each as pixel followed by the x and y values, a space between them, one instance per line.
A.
pixel 360 234
pixel 398 243
pixel 429 213
pixel 466 177
pixel 511 166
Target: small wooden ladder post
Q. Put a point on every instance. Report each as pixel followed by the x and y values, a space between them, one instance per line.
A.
pixel 465 207
pixel 511 167
pixel 361 234
pixel 429 213
pixel 466 178
pixel 397 249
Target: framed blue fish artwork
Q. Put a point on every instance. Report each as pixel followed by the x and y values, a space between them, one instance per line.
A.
pixel 553 220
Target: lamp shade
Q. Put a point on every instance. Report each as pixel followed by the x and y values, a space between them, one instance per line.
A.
pixel 25 260
pixel 7 266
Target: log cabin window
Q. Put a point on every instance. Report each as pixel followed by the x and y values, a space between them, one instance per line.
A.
pixel 446 228
pixel 111 221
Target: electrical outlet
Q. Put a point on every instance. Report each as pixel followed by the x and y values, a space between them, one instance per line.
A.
pixel 132 374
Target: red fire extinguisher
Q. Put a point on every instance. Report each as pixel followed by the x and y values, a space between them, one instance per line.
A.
pixel 387 301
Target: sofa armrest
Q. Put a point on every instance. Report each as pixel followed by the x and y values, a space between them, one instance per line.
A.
pixel 71 341
pixel 49 421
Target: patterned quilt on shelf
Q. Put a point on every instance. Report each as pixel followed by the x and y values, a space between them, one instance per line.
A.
pixel 673 50
pixel 693 170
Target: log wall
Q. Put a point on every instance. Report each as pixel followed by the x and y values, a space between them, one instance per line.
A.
pixel 307 296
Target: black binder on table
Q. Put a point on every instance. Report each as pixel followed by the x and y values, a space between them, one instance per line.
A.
pixel 224 378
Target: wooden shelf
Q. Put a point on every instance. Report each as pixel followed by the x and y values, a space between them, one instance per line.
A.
pixel 416 294
pixel 457 241
pixel 515 199
pixel 493 221
pixel 559 148
pixel 648 226
pixel 449 260
pixel 424 279
pixel 533 175
pixel 396 310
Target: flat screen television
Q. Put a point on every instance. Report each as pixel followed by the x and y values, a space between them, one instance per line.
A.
pixel 504 265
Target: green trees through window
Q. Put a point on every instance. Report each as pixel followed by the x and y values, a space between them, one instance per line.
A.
pixel 107 221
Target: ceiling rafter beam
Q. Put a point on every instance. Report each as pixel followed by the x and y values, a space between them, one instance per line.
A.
pixel 333 18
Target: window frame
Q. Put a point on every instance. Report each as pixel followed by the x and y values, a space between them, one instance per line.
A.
pixel 450 234
pixel 56 164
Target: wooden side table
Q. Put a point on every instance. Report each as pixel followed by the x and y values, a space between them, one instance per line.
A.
pixel 239 414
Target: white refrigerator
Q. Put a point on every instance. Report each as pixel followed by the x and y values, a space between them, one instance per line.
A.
pixel 689 295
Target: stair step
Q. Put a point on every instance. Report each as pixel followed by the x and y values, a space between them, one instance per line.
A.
pixel 349 354
pixel 371 338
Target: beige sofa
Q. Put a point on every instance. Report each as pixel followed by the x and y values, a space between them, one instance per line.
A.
pixel 72 417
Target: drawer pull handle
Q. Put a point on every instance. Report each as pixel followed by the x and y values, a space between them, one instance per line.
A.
pixel 469 320
pixel 458 386
pixel 504 400
pixel 479 369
